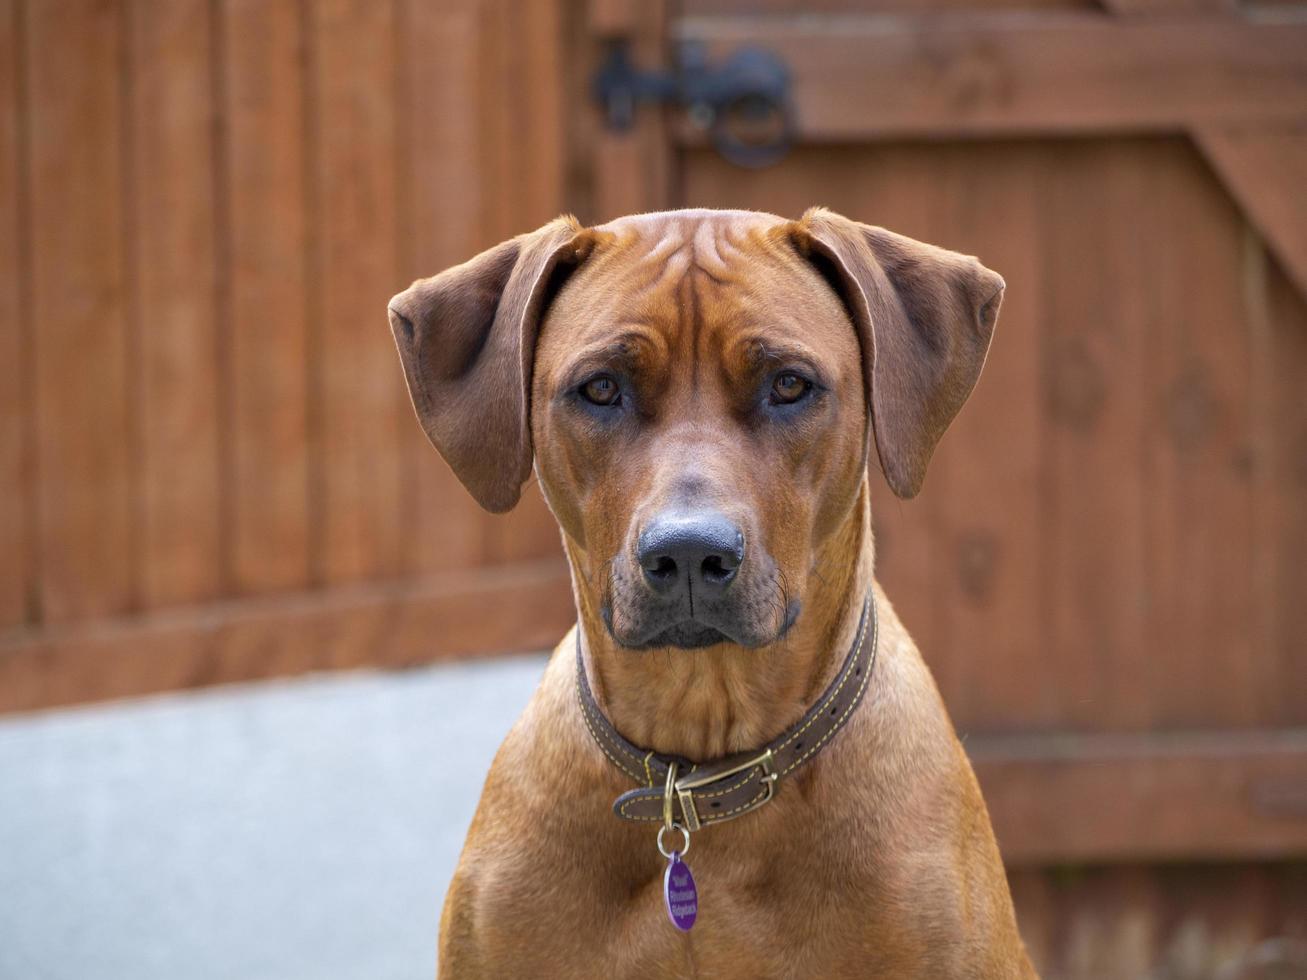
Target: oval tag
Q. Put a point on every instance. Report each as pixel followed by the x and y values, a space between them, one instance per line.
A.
pixel 679 893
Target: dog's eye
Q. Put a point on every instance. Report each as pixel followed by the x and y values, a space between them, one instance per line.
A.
pixel 788 388
pixel 602 390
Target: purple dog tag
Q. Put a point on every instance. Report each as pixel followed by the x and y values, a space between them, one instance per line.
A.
pixel 680 894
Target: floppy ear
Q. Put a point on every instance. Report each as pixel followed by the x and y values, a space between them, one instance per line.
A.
pixel 467 341
pixel 924 317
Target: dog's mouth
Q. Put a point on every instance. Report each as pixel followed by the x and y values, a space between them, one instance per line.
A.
pixel 694 634
pixel 688 635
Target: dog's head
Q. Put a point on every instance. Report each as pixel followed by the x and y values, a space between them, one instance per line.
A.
pixel 693 388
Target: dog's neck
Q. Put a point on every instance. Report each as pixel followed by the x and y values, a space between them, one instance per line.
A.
pixel 707 703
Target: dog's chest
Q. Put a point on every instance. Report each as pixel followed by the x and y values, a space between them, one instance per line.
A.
pixel 760 916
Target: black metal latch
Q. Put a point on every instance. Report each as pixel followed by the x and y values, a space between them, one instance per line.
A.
pixel 743 103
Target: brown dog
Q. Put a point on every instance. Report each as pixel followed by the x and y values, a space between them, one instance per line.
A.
pixel 700 392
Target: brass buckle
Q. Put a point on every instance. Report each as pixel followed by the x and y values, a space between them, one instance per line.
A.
pixel 686 785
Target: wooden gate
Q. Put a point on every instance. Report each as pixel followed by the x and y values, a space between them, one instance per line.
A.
pixel 1107 570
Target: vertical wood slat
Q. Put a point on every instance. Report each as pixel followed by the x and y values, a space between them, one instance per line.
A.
pixel 990 465
pixel 1095 293
pixel 176 397
pixel 15 411
pixel 263 108
pixel 357 397
pixel 1282 504
pixel 441 186
pixel 78 291
pixel 1206 653
pixel 632 171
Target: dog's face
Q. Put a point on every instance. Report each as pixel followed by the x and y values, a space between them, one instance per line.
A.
pixel 699 422
pixel 698 391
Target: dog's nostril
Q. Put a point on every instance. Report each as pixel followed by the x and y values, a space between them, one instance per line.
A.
pixel 714 571
pixel 664 568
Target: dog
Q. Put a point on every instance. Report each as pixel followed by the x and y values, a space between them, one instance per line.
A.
pixel 700 394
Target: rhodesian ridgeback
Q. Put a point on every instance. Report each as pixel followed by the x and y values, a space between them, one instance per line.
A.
pixel 700 393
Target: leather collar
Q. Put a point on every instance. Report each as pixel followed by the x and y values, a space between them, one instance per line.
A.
pixel 730 787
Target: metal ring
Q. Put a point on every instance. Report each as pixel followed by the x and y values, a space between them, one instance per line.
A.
pixel 684 833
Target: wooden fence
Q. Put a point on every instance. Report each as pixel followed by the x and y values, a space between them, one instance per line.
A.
pixel 209 470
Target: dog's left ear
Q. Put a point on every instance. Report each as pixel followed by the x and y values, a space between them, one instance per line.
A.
pixel 924 317
pixel 467 342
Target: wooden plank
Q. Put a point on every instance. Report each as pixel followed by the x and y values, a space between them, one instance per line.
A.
pixel 17 570
pixel 991 581
pixel 633 171
pixel 264 296
pixel 1178 796
pixel 1265 168
pixel 1208 661
pixel 359 401
pixel 845 7
pixel 1283 373
pixel 398 624
pixel 1205 921
pixel 860 78
pixel 79 299
pixel 176 394
pixel 441 186
pixel 1098 238
pixel 1171 8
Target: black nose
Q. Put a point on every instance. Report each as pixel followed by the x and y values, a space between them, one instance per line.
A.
pixel 704 546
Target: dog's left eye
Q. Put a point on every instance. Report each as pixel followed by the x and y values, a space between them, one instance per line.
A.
pixel 601 391
pixel 788 388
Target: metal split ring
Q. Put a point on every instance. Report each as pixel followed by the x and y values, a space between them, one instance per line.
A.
pixel 684 833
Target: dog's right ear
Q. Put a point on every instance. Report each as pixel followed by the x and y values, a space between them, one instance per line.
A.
pixel 467 342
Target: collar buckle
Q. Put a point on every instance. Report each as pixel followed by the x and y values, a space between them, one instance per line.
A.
pixel 687 784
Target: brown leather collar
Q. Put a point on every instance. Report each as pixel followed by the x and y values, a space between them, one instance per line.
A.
pixel 731 787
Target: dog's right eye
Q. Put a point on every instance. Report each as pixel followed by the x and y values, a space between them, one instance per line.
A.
pixel 601 391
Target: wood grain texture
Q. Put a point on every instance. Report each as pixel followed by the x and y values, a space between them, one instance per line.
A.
pixel 265 295
pixel 1096 291
pixel 632 171
pixel 1210 663
pixel 1177 796
pixel 174 381
pixel 991 469
pixel 1180 922
pixel 17 568
pixel 698 8
pixel 897 76
pixel 527 607
pixel 358 405
pixel 1265 168
pixel 1171 8
pixel 79 287
pixel 1281 504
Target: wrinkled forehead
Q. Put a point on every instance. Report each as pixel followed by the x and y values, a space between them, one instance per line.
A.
pixel 693 283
